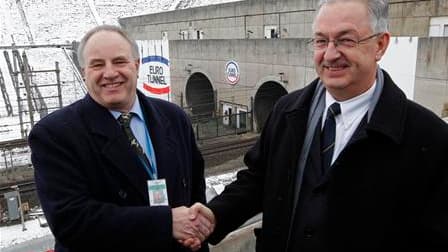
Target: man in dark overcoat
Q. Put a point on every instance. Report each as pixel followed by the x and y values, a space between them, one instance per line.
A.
pixel 347 163
pixel 99 160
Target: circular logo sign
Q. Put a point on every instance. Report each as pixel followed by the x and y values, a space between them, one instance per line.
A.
pixel 232 72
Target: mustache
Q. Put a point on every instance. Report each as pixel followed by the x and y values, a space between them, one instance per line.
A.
pixel 338 63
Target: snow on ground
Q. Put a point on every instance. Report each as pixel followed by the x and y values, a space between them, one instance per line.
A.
pixel 218 182
pixel 9 128
pixel 73 19
pixel 12 235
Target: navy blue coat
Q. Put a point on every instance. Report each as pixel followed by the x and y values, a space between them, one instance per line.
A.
pixel 387 190
pixel 93 188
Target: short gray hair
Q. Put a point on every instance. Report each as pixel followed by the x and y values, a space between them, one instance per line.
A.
pixel 110 28
pixel 378 11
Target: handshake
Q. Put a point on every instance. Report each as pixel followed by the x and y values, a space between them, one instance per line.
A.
pixel 191 226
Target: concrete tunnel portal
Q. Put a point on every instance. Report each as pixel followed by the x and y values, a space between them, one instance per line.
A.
pixel 200 95
pixel 265 98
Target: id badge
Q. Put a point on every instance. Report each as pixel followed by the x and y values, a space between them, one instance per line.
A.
pixel 158 195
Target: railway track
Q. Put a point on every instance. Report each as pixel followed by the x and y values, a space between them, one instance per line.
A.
pixel 225 146
pixel 16 143
pixel 14 153
pixel 212 150
pixel 25 186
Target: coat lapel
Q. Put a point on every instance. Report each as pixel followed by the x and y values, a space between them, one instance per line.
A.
pixel 296 126
pixel 314 164
pixel 114 145
pixel 163 143
pixel 387 119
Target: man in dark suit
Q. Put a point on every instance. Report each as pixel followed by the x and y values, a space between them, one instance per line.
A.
pixel 346 163
pixel 98 175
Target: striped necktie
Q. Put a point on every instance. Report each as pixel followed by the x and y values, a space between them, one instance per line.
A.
pixel 327 139
pixel 125 121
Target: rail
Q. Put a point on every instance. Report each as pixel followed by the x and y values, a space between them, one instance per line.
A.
pixel 16 143
pixel 24 187
pixel 212 149
pixel 206 150
pixel 76 72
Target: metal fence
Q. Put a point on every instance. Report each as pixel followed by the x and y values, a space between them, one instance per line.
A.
pixel 216 126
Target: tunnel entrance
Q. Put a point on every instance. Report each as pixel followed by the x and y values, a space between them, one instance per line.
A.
pixel 265 98
pixel 200 96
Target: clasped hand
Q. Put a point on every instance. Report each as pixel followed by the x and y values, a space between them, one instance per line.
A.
pixel 191 226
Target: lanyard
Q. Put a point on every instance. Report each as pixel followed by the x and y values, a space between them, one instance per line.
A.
pixel 152 169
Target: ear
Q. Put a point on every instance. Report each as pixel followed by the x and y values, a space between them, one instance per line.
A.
pixel 382 44
pixel 137 63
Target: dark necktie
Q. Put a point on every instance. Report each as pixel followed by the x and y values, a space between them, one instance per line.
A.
pixel 328 136
pixel 125 121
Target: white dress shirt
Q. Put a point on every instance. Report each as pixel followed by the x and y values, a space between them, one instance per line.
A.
pixel 352 112
pixel 140 132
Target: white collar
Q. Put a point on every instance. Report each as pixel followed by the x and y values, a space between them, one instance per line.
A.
pixel 136 109
pixel 353 108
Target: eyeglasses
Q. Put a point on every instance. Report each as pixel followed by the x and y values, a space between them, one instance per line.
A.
pixel 319 44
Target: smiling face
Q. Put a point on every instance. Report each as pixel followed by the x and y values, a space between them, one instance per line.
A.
pixel 347 72
pixel 110 70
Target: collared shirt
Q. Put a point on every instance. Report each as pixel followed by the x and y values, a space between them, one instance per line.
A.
pixel 140 130
pixel 352 112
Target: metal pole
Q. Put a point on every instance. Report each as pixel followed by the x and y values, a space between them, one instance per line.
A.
pixel 12 67
pixel 215 101
pixel 181 100
pixel 217 126
pixel 28 32
pixel 76 72
pixel 14 46
pixel 252 117
pixel 236 121
pixel 16 187
pixel 10 158
pixel 27 81
pixel 6 161
pixel 58 83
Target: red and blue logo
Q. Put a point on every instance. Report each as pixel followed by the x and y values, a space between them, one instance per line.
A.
pixel 157 74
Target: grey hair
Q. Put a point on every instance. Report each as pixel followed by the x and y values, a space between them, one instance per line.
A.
pixel 377 9
pixel 110 28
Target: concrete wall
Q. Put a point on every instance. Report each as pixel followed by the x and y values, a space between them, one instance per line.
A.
pixel 247 19
pixel 225 29
pixel 412 18
pixel 438 27
pixel 260 60
pixel 431 81
pixel 235 20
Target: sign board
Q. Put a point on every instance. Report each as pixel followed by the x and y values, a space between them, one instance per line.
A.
pixel 232 72
pixel 154 73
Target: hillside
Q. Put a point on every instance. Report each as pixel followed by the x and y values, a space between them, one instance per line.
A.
pixel 61 22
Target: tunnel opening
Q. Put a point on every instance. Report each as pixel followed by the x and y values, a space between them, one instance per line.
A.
pixel 200 96
pixel 265 98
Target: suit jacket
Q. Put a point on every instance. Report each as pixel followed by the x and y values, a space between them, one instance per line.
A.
pixel 92 186
pixel 387 190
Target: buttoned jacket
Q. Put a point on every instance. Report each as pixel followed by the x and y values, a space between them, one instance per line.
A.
pixel 387 190
pixel 92 186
